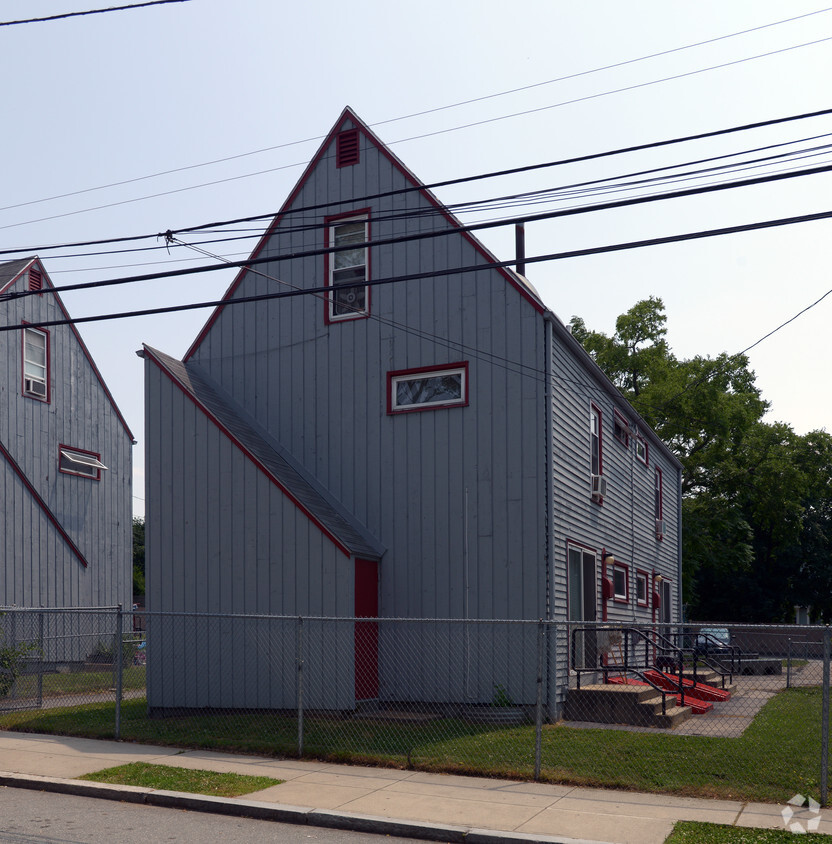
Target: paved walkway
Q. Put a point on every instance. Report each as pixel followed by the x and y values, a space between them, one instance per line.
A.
pixel 433 806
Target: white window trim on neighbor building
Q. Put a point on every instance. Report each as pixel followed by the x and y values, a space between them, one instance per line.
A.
pixel 427 388
pixel 36 364
pixel 348 270
pixel 74 461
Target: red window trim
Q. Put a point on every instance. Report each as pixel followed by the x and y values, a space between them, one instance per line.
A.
pixel 96 455
pixel 47 399
pixel 646 575
pixel 329 221
pixel 626 598
pixel 347 150
pixel 619 418
pixel 418 408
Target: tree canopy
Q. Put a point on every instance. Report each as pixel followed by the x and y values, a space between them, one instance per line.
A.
pixel 757 505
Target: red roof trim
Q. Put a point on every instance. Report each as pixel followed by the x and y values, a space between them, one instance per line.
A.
pixel 74 330
pixel 335 541
pixel 42 504
pixel 349 115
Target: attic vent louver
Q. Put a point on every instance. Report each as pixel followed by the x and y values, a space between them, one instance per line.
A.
pixel 346 148
pixel 35 279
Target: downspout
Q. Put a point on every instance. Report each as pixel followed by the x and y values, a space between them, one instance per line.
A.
pixel 551 678
pixel 680 603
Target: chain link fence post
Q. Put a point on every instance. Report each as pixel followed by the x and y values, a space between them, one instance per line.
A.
pixel 118 650
pixel 300 684
pixel 538 716
pixel 41 658
pixel 824 742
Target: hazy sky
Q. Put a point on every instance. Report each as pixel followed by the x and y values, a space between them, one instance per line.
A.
pixel 108 101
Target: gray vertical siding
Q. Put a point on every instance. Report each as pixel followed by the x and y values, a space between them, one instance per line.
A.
pixel 38 567
pixel 222 538
pixel 321 390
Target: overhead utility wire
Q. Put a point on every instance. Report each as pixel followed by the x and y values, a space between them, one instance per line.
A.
pixel 590 188
pixel 417 113
pixel 447 271
pixel 92 12
pixel 445 183
pixel 548 215
pixel 418 137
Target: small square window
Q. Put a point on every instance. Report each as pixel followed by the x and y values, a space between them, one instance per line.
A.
pixel 73 461
pixel 621 429
pixel 620 584
pixel 641 450
pixel 427 389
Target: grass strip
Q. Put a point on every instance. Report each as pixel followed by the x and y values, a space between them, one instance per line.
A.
pixel 169 778
pixel 695 832
pixel 777 756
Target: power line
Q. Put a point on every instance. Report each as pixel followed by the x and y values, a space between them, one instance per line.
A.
pixel 445 183
pixel 422 113
pixel 92 12
pixel 554 256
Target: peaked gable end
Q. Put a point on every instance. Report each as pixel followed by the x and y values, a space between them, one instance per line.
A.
pixel 351 142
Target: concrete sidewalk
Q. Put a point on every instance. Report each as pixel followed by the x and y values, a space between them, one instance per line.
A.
pixel 383 800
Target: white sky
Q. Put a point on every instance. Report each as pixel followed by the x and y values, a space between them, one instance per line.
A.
pixel 107 98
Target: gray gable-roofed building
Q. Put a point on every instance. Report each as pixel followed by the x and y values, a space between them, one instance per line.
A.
pixel 410 434
pixel 65 458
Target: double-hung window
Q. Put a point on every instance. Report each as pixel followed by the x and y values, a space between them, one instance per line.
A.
pixel 658 505
pixel 348 268
pixel 595 440
pixel 621 583
pixel 427 388
pixel 36 364
pixel 641 588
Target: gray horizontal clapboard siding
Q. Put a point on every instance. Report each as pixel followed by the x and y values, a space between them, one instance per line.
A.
pixel 52 523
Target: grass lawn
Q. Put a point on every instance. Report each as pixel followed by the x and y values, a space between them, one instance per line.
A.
pixel 777 757
pixel 169 778
pixel 693 832
pixel 81 682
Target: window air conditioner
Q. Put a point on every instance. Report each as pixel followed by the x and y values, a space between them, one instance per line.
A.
pixel 34 387
pixel 660 528
pixel 599 487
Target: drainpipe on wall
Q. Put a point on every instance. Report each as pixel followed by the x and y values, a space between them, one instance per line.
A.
pixel 520 248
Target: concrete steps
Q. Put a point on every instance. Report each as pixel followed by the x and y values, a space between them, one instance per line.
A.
pixel 609 703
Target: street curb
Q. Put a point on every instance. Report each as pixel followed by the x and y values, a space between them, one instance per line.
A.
pixel 239 807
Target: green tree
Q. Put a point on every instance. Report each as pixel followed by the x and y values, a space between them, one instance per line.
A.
pixel 138 556
pixel 757 517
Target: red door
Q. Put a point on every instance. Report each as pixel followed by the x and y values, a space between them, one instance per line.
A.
pixel 366 632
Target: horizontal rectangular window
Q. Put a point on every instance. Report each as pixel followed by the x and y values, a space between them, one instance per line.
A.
pixel 73 461
pixel 426 389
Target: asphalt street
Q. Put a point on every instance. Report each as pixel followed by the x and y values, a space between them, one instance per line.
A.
pixel 37 817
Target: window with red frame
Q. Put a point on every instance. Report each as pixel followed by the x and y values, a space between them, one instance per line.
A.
pixel 36 364
pixel 74 461
pixel 347 274
pixel 427 388
pixel 621 429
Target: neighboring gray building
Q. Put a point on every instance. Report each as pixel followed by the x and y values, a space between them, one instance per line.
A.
pixel 406 432
pixel 65 458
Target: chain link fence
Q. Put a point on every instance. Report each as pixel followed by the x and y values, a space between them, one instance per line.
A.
pixel 726 710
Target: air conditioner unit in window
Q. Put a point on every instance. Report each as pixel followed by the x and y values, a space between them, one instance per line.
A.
pixel 660 528
pixel 599 487
pixel 33 387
